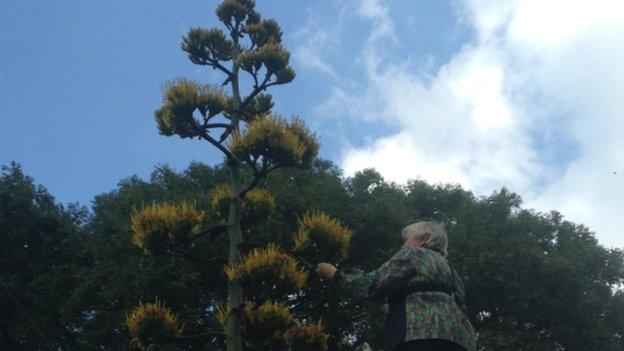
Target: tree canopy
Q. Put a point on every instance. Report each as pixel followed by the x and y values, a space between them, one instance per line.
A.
pixel 534 281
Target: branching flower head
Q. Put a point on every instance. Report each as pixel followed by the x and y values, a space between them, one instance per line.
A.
pixel 259 106
pixel 257 205
pixel 181 98
pixel 261 32
pixel 268 269
pixel 267 323
pixel 236 11
pixel 285 144
pixel 273 56
pixel 308 337
pixel 155 224
pixel 222 314
pixel 270 53
pixel 308 139
pixel 220 201
pixel 270 137
pixel 206 46
pixel 323 237
pixel 152 323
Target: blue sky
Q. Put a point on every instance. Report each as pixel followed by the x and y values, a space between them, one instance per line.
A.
pixel 490 93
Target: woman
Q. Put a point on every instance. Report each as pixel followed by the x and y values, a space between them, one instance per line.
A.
pixel 425 295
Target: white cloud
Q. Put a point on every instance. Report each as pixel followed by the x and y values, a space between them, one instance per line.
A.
pixel 456 127
pixel 389 156
pixel 538 70
pixel 314 38
pixel 383 25
pixel 310 58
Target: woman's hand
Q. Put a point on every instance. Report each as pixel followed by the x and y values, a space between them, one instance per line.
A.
pixel 326 270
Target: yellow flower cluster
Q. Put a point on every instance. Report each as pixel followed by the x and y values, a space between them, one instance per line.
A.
pixel 158 222
pixel 268 269
pixel 263 31
pixel 308 139
pixel 286 144
pixel 205 45
pixel 323 236
pixel 257 204
pixel 220 201
pixel 266 325
pixel 152 323
pixel 270 54
pixel 223 311
pixel 271 316
pixel 181 97
pixel 308 337
pixel 230 11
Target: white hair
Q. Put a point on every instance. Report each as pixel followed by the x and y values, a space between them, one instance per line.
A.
pixel 434 232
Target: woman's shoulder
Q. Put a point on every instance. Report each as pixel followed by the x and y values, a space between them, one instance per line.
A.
pixel 422 251
pixel 427 259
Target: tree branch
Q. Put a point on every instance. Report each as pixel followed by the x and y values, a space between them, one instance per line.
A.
pixel 224 135
pixel 212 231
pixel 255 78
pixel 205 136
pixel 256 91
pixel 207 333
pixel 216 125
pixel 178 252
pixel 272 84
pixel 252 164
pixel 257 177
pixel 216 65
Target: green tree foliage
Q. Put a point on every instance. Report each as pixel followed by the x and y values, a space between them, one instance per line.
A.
pixel 42 256
pixel 124 275
pixel 534 281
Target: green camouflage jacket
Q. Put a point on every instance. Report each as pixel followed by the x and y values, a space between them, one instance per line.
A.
pixel 425 295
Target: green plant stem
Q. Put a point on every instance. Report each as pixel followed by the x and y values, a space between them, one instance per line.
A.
pixel 235 290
